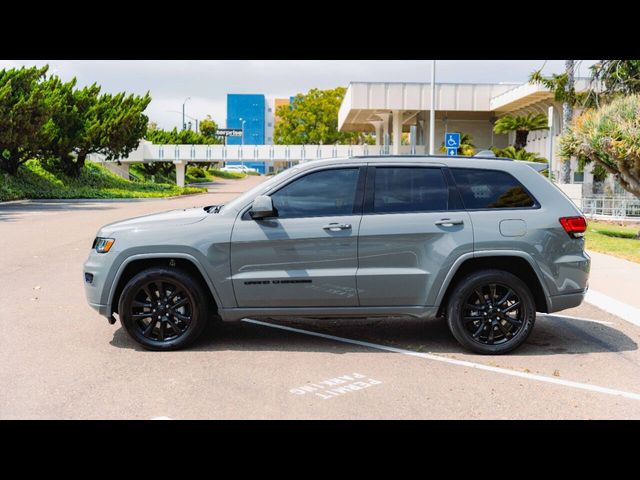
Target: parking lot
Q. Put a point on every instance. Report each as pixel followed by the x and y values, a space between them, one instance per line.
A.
pixel 59 359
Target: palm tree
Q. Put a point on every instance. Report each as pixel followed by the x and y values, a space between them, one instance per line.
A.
pixel 466 147
pixel 521 154
pixel 522 125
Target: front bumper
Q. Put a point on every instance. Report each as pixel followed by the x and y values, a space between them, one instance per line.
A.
pixel 98 266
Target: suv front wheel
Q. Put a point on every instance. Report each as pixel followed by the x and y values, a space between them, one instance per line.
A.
pixel 491 312
pixel 163 309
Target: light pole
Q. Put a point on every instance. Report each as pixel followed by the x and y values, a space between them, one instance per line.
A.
pixel 242 141
pixel 185 116
pixel 432 114
pixel 184 125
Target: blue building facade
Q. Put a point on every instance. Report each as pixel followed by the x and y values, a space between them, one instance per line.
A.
pixel 251 109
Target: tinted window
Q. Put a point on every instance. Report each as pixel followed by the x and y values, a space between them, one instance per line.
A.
pixel 406 189
pixel 328 192
pixel 490 189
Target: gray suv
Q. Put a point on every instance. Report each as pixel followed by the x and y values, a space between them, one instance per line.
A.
pixel 484 243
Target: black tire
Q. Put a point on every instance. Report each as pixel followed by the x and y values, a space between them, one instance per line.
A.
pixel 492 327
pixel 172 300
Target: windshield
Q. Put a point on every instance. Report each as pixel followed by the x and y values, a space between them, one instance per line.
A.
pixel 261 187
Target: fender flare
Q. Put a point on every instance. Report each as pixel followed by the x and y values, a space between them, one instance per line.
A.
pixel 491 253
pixel 147 256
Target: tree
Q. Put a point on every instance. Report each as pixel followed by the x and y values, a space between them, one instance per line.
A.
pixel 312 118
pixel 612 78
pixel 521 154
pixel 563 88
pixel 609 138
pixel 522 125
pixel 113 126
pixel 208 127
pixel 466 147
pixel 70 115
pixel 24 110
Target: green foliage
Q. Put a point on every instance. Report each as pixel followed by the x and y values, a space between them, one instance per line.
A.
pixel 94 181
pixel 614 78
pixel 182 137
pixel 197 172
pixel 522 125
pixel 614 240
pixel 24 110
pixel 521 154
pixel 312 118
pixel 608 137
pixel 208 127
pixel 46 118
pixel 466 147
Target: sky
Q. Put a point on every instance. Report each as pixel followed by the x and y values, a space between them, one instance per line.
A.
pixel 207 82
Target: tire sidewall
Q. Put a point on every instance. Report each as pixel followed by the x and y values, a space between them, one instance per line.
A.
pixel 193 290
pixel 462 292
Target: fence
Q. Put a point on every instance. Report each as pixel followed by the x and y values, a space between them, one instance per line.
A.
pixel 611 207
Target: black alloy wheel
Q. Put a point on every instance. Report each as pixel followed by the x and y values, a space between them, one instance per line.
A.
pixel 164 308
pixel 491 312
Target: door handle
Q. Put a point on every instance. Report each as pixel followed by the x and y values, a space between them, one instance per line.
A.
pixel 447 222
pixel 336 227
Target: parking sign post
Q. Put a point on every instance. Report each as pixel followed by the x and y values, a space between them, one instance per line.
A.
pixel 452 143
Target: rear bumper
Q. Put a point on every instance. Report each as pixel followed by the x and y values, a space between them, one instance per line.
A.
pixel 567 300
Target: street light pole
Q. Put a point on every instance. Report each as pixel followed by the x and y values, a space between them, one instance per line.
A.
pixel 432 113
pixel 242 141
pixel 184 125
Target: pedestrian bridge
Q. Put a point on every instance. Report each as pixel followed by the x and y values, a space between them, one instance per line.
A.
pixel 274 157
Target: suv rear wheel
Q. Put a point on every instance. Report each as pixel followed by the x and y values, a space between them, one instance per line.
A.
pixel 163 309
pixel 491 312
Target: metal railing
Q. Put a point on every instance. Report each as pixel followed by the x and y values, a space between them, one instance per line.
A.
pixel 614 207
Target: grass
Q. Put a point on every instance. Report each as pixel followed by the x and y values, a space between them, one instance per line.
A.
pixel 95 181
pixel 614 240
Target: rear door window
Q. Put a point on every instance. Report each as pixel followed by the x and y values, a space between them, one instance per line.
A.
pixel 409 189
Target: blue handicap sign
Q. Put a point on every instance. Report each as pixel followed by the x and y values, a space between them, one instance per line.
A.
pixel 452 140
pixel 452 152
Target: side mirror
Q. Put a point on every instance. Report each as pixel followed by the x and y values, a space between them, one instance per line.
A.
pixel 262 207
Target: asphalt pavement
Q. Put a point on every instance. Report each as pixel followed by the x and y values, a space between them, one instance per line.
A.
pixel 60 360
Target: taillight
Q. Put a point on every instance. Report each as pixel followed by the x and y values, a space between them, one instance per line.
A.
pixel 574 226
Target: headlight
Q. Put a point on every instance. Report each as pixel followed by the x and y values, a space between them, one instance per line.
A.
pixel 103 245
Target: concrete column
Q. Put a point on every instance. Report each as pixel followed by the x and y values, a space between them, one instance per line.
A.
pixel 397 132
pixel 425 132
pixel 419 130
pixel 180 168
pixel 378 127
pixel 377 124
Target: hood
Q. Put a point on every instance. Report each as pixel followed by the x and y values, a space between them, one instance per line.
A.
pixel 171 218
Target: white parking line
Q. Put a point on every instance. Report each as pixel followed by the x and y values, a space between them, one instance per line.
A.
pixel 161 418
pixel 461 363
pixel 582 319
pixel 616 307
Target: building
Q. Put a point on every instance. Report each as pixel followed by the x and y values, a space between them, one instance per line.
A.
pixel 389 109
pixel 259 115
pixel 248 111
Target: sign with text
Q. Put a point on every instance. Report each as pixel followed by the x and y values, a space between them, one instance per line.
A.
pixel 229 132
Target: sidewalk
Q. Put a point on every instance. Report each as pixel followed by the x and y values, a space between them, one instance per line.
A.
pixel 614 285
pixel 615 277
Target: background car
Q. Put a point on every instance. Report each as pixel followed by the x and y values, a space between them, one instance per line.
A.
pixel 238 168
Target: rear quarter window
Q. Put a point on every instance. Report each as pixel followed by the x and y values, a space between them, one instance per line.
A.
pixel 491 189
